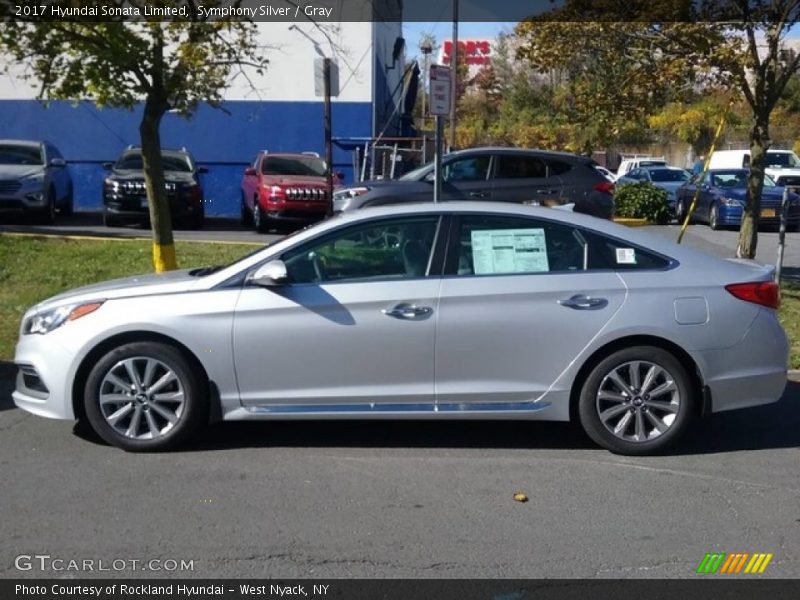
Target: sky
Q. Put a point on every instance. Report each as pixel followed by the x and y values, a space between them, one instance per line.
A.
pixel 443 30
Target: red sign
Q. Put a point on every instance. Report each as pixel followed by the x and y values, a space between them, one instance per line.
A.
pixel 471 52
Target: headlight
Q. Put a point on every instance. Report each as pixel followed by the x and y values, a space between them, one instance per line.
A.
pixel 731 202
pixel 47 321
pixel 32 179
pixel 350 192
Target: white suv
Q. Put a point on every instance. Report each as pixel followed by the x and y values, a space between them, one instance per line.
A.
pixel 782 165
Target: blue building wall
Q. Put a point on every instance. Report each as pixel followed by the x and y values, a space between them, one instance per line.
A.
pixel 224 141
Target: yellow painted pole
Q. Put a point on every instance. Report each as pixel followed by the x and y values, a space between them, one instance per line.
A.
pixel 702 177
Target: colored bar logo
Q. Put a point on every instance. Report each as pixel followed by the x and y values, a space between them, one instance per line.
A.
pixel 734 563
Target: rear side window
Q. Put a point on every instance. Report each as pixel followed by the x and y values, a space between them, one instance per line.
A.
pixel 558 167
pixel 498 245
pixel 520 167
pixel 609 253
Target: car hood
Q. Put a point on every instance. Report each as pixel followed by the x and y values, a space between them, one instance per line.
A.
pixel 140 285
pixel 169 176
pixel 19 171
pixel 768 195
pixel 291 180
pixel 381 183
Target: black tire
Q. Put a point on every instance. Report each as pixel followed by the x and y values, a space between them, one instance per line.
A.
pixel 680 211
pixel 69 202
pixel 109 220
pixel 246 214
pixel 713 218
pixel 260 220
pixel 197 220
pixel 189 414
pixel 47 215
pixel 674 416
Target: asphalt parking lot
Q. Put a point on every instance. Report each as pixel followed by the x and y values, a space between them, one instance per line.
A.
pixel 405 499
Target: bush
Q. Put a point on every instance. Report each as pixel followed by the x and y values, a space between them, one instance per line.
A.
pixel 642 200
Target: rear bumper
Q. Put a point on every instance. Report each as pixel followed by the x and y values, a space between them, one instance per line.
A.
pixel 753 372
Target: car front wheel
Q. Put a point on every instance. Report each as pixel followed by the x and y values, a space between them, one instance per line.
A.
pixel 145 396
pixel 713 218
pixel 636 401
pixel 260 220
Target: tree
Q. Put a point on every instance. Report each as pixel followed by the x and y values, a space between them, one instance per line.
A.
pixel 737 44
pixel 167 66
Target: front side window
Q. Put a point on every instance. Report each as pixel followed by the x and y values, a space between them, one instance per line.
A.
pixel 474 168
pixel 386 249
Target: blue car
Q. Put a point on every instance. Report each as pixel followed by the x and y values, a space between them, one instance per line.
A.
pixel 669 179
pixel 722 197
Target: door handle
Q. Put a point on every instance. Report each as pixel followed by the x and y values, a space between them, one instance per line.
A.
pixel 547 192
pixel 478 194
pixel 407 311
pixel 581 302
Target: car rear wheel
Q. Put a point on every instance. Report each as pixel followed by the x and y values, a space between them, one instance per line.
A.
pixel 145 396
pixel 713 218
pixel 680 211
pixel 636 401
pixel 260 220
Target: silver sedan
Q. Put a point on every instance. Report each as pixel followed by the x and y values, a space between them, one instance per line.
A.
pixel 421 311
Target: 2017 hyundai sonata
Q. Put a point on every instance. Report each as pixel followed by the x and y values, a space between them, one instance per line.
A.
pixel 426 311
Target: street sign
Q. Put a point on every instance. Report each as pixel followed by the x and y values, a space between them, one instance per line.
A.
pixel 319 77
pixel 440 90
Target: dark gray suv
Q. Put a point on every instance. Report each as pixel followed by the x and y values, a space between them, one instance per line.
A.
pixel 501 174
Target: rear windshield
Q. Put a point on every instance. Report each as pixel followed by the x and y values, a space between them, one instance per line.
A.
pixel 310 166
pixel 133 162
pixel 20 155
pixel 669 175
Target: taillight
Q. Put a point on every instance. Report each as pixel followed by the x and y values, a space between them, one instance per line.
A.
pixel 604 186
pixel 765 293
pixel 195 194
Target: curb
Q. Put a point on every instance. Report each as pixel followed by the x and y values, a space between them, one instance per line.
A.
pixel 98 238
pixel 793 375
pixel 632 222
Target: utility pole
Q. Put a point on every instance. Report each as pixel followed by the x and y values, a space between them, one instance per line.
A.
pixel 326 75
pixel 454 77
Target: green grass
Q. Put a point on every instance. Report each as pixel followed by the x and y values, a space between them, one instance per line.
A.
pixel 35 268
pixel 790 319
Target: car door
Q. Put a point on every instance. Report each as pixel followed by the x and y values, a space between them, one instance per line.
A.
pixel 525 179
pixel 519 302
pixel 354 328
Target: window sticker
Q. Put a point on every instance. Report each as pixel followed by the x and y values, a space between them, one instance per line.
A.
pixel 509 251
pixel 626 256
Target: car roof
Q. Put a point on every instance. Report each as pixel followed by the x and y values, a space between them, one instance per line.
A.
pixel 23 142
pixel 519 151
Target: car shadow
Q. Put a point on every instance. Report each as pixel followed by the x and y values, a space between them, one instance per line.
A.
pixel 760 428
pixel 83 224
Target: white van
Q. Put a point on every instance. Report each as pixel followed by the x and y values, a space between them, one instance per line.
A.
pixel 638 160
pixel 782 165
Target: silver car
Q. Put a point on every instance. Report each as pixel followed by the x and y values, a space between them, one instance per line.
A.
pixel 34 179
pixel 467 310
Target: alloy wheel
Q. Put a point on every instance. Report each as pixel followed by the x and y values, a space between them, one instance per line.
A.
pixel 638 401
pixel 141 398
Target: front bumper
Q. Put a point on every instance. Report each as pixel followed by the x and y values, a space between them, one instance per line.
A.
pixel 295 210
pixel 136 208
pixel 25 198
pixel 53 366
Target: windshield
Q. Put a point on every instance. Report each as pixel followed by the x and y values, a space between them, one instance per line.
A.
pixel 20 155
pixel 306 166
pixel 416 174
pixel 669 175
pixel 782 159
pixel 735 178
pixel 133 162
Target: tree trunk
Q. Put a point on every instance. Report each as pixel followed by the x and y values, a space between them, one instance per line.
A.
pixel 160 218
pixel 759 143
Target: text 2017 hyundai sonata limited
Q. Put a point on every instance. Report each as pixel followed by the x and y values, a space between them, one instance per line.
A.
pixel 425 311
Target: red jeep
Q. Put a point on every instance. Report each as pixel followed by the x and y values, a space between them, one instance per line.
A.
pixel 284 188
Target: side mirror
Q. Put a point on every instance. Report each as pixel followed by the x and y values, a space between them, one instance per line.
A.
pixel 249 172
pixel 58 162
pixel 108 166
pixel 270 274
pixel 202 170
pixel 340 175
